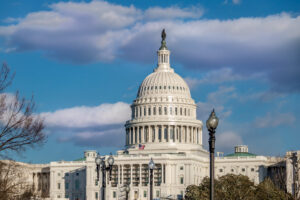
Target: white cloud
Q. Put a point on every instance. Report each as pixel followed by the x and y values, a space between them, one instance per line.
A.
pixel 236 1
pixel 216 100
pixel 274 120
pixel 227 140
pixel 159 13
pixel 101 31
pixel 219 76
pixel 83 116
pixel 89 126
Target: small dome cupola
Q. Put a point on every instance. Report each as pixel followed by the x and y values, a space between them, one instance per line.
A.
pixel 163 55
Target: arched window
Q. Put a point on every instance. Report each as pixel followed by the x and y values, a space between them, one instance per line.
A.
pixel 145 112
pixel 166 110
pixel 159 111
pixel 175 110
pixel 154 110
pixel 149 111
pixel 184 111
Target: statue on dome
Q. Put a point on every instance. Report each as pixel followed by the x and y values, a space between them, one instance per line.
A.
pixel 163 35
pixel 163 40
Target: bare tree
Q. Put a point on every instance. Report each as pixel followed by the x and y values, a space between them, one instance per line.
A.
pixel 20 128
pixel 13 183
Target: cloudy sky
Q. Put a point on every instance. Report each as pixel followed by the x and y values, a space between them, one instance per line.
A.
pixel 84 60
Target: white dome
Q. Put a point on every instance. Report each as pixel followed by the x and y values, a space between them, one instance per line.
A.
pixel 164 83
pixel 164 113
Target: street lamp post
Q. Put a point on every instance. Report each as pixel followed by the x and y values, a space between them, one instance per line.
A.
pixel 151 167
pixel 127 189
pixel 101 165
pixel 211 125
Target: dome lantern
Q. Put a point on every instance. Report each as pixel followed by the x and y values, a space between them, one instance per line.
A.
pixel 163 55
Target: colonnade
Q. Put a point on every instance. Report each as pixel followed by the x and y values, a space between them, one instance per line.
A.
pixel 163 133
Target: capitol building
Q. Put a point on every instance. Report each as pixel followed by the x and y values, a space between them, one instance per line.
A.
pixel 164 127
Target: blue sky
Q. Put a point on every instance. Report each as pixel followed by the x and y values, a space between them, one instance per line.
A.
pixel 84 60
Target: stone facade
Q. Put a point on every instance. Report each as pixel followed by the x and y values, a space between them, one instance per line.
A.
pixel 164 127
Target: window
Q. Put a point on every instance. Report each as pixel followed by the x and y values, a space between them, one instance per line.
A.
pixel 114 194
pixel 96 182
pixel 185 111
pixel 157 193
pixel 140 135
pixel 252 169
pixel 58 174
pixel 181 168
pixel 154 110
pixel 181 180
pixel 96 195
pixel 159 111
pixel 149 111
pixel 146 134
pixel 144 111
pixel 166 134
pixel 170 110
pixel 58 196
pixel 159 134
pixel 165 87
pixel 175 111
pixel 243 170
pixel 166 112
pixel 172 134
pixel 67 174
pixel 232 170
pixel 220 170
pixel 180 111
pixel 58 186
pixel 67 185
pixel 153 133
pixel 145 193
pixel 77 184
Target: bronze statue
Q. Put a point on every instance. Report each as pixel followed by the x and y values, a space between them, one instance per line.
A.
pixel 163 35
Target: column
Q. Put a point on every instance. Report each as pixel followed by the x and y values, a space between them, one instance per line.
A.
pixel 133 135
pixel 140 178
pixel 156 134
pixel 169 133
pixel 122 180
pixel 131 180
pixel 119 178
pixel 176 132
pixel 142 134
pixel 187 134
